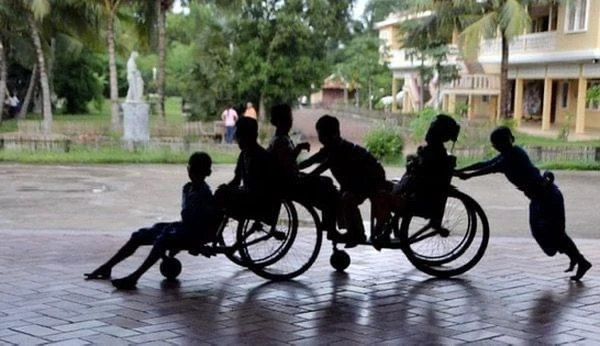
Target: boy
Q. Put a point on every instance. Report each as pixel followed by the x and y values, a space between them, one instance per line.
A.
pixel 255 190
pixel 198 225
pixel 315 190
pixel 359 174
pixel 546 209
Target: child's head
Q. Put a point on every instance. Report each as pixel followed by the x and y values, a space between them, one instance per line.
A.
pixel 443 128
pixel 281 117
pixel 328 129
pixel 246 132
pixel 502 138
pixel 198 166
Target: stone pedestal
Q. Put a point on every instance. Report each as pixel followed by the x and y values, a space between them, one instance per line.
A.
pixel 136 128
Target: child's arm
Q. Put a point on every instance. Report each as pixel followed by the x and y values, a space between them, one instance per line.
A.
pixel 479 168
pixel 300 147
pixel 237 178
pixel 316 158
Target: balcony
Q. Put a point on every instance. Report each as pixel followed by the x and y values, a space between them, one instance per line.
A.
pixel 474 84
pixel 400 59
pixel 524 44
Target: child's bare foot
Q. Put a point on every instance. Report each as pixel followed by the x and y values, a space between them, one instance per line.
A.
pixel 126 283
pixel 582 267
pixel 101 273
pixel 571 266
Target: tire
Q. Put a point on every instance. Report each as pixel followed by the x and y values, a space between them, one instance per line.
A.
pixel 227 237
pixel 300 252
pixel 170 268
pixel 339 260
pixel 449 254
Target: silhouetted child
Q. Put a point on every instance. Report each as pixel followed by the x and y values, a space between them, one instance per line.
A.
pixel 256 189
pixel 317 191
pixel 422 189
pixel 358 173
pixel 546 209
pixel 198 225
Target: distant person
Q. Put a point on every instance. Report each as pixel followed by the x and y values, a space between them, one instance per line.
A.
pixel 256 189
pixel 229 117
pixel 12 103
pixel 199 222
pixel 358 173
pixel 250 112
pixel 546 207
pixel 317 191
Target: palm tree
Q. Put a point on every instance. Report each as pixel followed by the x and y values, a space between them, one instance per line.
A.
pixel 485 19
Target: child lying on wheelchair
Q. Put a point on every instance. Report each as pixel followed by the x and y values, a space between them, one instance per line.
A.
pixel 199 222
pixel 421 190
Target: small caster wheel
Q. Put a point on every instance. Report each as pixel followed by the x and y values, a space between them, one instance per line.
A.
pixel 339 260
pixel 170 268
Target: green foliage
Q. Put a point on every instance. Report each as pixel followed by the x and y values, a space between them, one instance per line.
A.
pixel 593 94
pixel 419 125
pixel 79 79
pixel 385 143
pixel 564 129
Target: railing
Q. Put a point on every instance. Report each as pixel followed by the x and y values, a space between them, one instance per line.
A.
pixel 475 82
pixel 530 43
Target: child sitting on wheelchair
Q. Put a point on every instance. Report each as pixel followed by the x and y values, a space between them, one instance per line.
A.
pixel 421 190
pixel 199 222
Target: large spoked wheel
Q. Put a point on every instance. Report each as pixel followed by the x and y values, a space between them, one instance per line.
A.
pixel 298 254
pixel 261 244
pixel 453 248
pixel 227 238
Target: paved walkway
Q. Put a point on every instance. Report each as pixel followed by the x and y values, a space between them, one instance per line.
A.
pixel 516 295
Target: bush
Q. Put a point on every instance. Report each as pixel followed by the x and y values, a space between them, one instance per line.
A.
pixel 385 143
pixel 419 125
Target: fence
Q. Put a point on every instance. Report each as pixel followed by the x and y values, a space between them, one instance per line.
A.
pixel 543 153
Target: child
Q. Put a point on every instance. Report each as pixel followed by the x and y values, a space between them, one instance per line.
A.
pixel 256 189
pixel 198 225
pixel 359 174
pixel 546 209
pixel 428 173
pixel 315 190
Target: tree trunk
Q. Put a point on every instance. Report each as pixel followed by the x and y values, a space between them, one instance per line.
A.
pixel 115 119
pixel 504 92
pixel 29 94
pixel 162 58
pixel 2 78
pixel 45 86
pixel 261 108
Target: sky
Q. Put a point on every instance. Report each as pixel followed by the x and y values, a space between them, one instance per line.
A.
pixel 359 7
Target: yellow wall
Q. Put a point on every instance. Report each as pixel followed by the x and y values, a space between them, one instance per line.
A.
pixel 592 120
pixel 483 110
pixel 581 40
pixel 393 36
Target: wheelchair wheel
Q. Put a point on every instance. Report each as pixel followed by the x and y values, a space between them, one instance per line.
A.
pixel 296 253
pixel 227 237
pixel 170 268
pixel 452 249
pixel 339 260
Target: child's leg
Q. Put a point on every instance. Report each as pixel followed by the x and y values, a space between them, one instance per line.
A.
pixel 163 242
pixel 569 248
pixel 144 236
pixel 349 207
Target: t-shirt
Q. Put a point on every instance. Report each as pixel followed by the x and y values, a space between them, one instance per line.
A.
pixel 258 171
pixel 355 169
pixel 198 208
pixel 518 169
pixel 250 112
pixel 229 116
pixel 282 148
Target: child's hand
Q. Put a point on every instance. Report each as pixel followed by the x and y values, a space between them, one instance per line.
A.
pixel 304 146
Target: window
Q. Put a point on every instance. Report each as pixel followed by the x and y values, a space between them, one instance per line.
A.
pixel 593 105
pixel 577 11
pixel 564 95
pixel 485 99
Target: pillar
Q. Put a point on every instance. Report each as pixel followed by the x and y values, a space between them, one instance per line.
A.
pixel 518 102
pixel 580 108
pixel 547 105
pixel 470 111
pixel 394 92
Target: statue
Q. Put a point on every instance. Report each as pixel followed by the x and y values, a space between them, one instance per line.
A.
pixel 135 92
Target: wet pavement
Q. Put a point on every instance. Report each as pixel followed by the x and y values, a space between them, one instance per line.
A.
pixel 58 222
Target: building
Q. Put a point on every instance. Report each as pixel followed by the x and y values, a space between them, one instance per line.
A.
pixel 550 69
